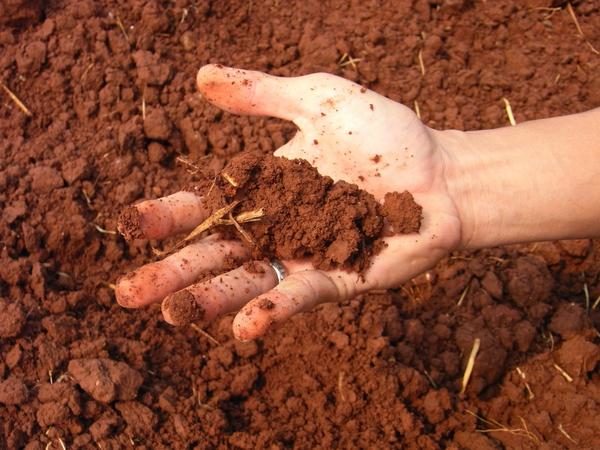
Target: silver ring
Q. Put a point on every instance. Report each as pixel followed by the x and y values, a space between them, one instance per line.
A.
pixel 278 269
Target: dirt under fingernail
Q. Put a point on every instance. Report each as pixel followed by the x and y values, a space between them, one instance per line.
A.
pixel 129 224
pixel 183 308
pixel 266 304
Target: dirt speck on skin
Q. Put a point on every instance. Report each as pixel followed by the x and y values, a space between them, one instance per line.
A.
pixel 266 304
pixel 254 267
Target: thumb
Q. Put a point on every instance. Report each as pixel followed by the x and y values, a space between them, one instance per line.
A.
pixel 248 92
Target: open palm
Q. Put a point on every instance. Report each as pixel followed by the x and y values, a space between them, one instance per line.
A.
pixel 348 133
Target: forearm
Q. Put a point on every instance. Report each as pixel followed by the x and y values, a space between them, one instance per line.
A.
pixel 537 181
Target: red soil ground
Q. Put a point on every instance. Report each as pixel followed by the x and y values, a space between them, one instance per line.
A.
pixel 383 371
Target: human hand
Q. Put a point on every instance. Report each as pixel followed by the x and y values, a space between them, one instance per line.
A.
pixel 348 133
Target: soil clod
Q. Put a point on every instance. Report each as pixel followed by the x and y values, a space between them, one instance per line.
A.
pixel 106 380
pixel 402 212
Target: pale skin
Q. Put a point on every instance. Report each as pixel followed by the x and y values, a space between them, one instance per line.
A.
pixel 537 181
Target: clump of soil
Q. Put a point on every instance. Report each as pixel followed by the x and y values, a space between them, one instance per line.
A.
pixel 402 212
pixel 304 214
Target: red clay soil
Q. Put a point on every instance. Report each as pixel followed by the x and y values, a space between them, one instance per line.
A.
pixel 381 371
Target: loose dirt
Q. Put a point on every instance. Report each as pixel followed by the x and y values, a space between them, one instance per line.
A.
pixel 381 371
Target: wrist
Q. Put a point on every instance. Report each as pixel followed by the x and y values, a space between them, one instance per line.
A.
pixel 501 188
pixel 464 186
pixel 536 181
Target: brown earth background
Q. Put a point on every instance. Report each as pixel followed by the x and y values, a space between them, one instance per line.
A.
pixel 383 371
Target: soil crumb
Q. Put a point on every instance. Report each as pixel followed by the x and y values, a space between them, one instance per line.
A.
pixel 402 212
pixel 105 380
pixel 307 215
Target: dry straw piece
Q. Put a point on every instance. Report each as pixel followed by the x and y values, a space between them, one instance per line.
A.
pixel 86 71
pixel 417 110
pixel 431 380
pixel 470 365
pixel 119 23
pixel 529 391
pixel 50 444
pixel 347 60
pixel 421 63
pixel 229 179
pixel 341 386
pixel 103 230
pixel 16 99
pixel 250 216
pixel 579 30
pixel 509 112
pixel 194 169
pixel 240 229
pixel 462 296
pixel 211 222
pixel 564 373
pixel 205 334
pixel 498 427
pixel 596 303
pixel 144 103
pixel 216 219
pixel 565 434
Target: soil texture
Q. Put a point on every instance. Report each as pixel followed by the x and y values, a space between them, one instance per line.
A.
pixel 109 115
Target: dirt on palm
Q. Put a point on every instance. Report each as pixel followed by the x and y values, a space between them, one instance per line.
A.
pixel 115 118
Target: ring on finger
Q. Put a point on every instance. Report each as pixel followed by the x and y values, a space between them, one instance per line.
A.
pixel 279 269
